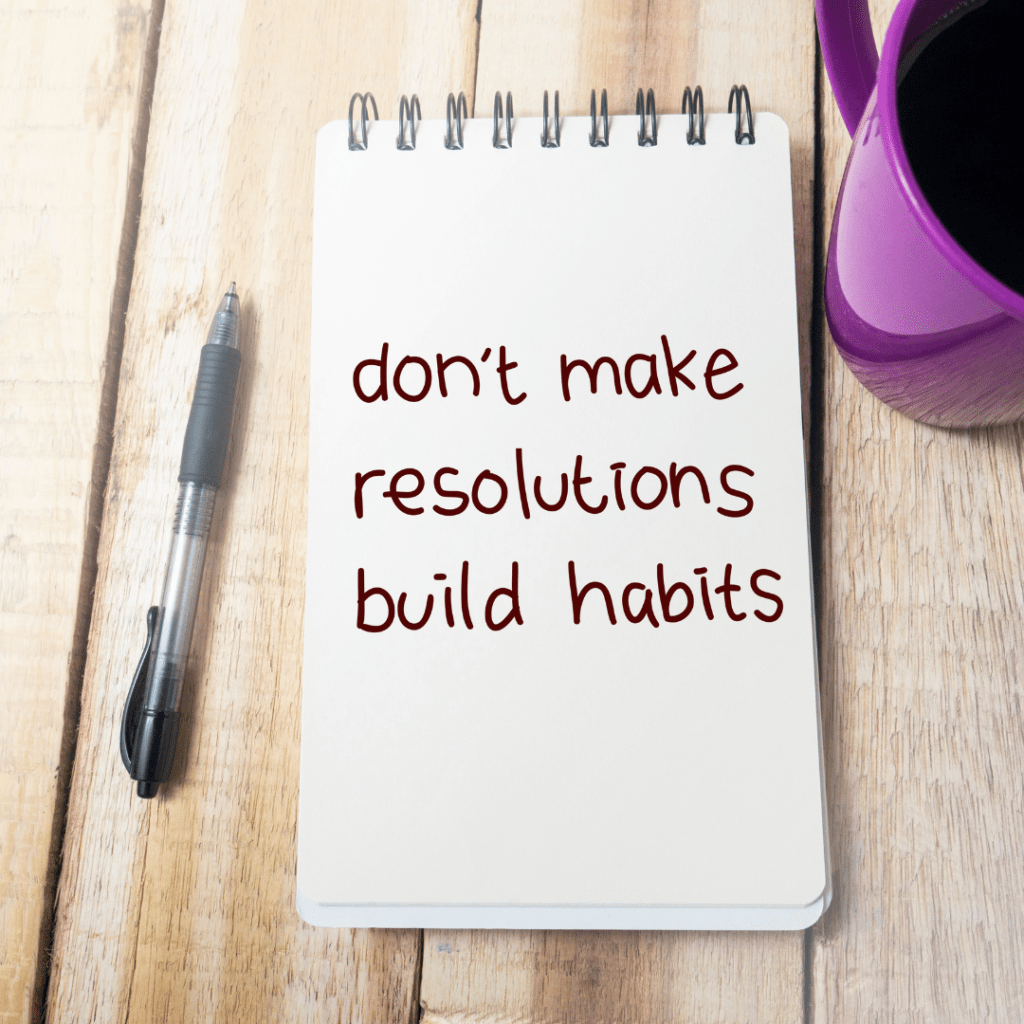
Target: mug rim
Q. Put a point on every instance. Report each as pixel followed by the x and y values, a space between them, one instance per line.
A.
pixel 968 267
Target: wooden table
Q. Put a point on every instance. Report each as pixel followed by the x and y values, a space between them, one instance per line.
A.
pixel 150 154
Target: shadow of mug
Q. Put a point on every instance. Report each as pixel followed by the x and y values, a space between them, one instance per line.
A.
pixel 921 321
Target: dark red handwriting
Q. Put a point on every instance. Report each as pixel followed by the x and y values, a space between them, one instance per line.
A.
pixel 384 615
pixel 675 601
pixel 413 376
pixel 646 488
pixel 640 373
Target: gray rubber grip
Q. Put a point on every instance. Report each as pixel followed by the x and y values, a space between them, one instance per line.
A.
pixel 209 421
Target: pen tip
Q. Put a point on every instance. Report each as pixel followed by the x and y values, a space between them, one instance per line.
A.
pixel 225 326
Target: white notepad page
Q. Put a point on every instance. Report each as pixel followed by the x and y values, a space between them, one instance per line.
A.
pixel 551 773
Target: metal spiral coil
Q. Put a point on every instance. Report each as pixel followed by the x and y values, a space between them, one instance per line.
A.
pixel 545 139
pixel 643 137
pixel 742 97
pixel 456 114
pixel 693 104
pixel 408 113
pixel 353 142
pixel 595 139
pixel 497 141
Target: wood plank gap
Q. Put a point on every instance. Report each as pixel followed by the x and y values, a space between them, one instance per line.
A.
pixel 94 509
pixel 808 965
pixel 816 446
pixel 415 1009
pixel 476 54
pixel 138 920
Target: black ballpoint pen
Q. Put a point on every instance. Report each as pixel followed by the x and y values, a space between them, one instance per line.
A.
pixel 149 724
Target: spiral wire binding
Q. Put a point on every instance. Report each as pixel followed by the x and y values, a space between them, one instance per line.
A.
pixel 595 139
pixel 456 113
pixel 545 139
pixel 742 98
pixel 693 104
pixel 362 97
pixel 642 137
pixel 497 141
pixel 408 112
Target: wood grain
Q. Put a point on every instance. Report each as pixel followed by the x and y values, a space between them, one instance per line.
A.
pixel 183 908
pixel 528 47
pixel 922 605
pixel 607 977
pixel 71 78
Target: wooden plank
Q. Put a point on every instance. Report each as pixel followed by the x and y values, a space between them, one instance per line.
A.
pixel 183 908
pixel 71 77
pixel 527 48
pixel 607 977
pixel 921 651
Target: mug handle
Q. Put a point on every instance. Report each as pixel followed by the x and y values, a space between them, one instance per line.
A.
pixel 848 50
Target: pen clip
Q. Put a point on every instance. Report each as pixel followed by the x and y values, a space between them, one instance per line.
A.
pixel 133 702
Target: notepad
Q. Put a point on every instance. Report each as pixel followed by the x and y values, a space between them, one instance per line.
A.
pixel 560 663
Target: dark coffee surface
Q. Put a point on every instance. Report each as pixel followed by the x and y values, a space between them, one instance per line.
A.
pixel 961 113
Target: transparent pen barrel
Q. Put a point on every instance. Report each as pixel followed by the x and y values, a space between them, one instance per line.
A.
pixel 181 596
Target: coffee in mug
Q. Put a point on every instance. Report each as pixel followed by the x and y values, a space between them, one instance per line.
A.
pixel 960 112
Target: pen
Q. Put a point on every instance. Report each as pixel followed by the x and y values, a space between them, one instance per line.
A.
pixel 149 724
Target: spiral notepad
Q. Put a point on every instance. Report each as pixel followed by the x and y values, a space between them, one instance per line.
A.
pixel 559 645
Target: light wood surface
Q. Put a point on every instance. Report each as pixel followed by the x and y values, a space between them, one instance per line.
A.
pixel 183 908
pixel 922 604
pixel 71 77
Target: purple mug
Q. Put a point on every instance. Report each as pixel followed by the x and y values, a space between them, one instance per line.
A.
pixel 919 322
